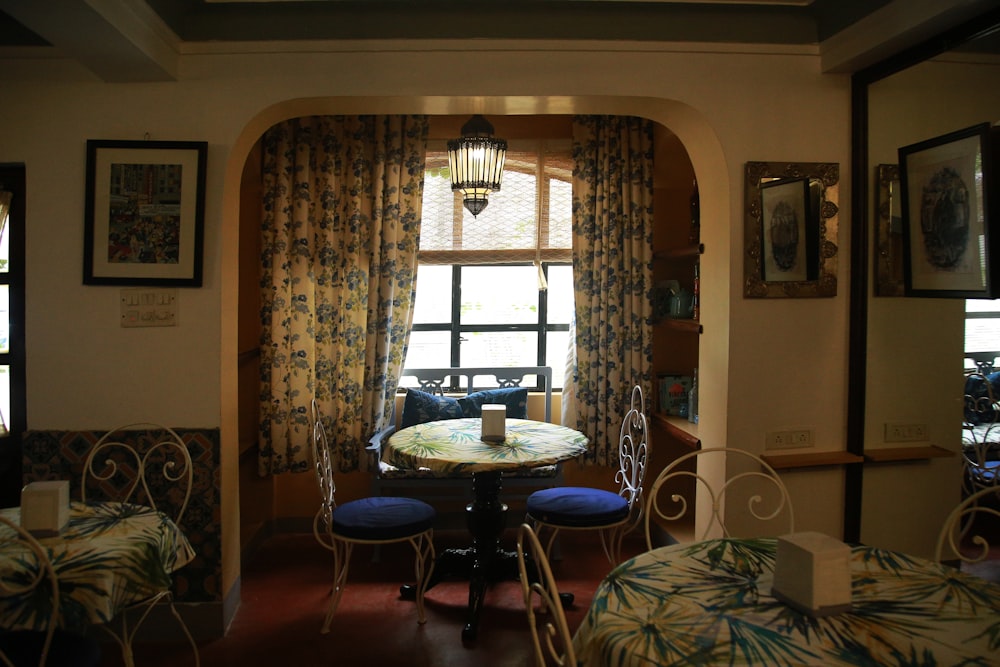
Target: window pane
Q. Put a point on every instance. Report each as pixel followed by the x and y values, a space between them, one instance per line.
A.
pixel 499 348
pixel 4 319
pixel 982 306
pixel 428 349
pixel 433 302
pixel 982 334
pixel 555 356
pixel 560 294
pixel 560 214
pixel 499 295
pixel 4 399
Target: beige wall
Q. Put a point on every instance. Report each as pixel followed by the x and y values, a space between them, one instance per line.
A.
pixel 765 364
pixel 915 346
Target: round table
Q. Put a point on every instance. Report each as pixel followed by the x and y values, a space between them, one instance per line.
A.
pixel 710 603
pixel 454 447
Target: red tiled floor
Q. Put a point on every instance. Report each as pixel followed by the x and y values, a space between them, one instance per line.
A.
pixel 286 589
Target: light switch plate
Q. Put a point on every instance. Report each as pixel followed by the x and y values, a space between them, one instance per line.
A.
pixel 148 307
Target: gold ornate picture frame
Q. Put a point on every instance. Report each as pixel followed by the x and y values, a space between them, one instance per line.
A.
pixel 790 229
pixel 888 232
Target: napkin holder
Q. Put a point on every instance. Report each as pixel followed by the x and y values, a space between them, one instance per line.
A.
pixel 812 574
pixel 45 507
pixel 494 423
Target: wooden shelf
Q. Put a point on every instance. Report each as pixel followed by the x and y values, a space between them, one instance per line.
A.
pixel 921 453
pixel 810 460
pixel 680 428
pixel 680 253
pixel 680 324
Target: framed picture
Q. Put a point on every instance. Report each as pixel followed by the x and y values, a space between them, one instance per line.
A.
pixel 947 192
pixel 790 229
pixel 145 208
pixel 888 232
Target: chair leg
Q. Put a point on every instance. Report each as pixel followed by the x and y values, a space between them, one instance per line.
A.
pixel 187 633
pixel 424 567
pixel 341 563
pixel 125 638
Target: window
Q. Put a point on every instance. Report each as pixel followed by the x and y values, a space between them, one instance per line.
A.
pixel 478 300
pixel 12 385
pixel 982 329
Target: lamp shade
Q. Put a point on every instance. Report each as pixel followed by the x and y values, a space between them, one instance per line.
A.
pixel 476 163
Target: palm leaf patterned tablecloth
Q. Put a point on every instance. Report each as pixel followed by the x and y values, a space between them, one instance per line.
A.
pixel 710 603
pixel 110 555
pixel 453 445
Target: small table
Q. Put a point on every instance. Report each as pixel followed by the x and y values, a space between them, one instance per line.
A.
pixel 110 556
pixel 454 447
pixel 710 603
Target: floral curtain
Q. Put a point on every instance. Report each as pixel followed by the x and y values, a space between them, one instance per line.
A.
pixel 341 220
pixel 612 274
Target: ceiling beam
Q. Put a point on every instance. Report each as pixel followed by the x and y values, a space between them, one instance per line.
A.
pixel 119 41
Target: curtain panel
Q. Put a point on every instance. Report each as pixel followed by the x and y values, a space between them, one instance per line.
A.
pixel 339 235
pixel 612 274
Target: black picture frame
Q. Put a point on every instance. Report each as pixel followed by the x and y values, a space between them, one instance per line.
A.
pixel 788 249
pixel 947 192
pixel 144 221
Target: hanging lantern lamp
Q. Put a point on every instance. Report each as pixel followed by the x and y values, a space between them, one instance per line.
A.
pixel 476 163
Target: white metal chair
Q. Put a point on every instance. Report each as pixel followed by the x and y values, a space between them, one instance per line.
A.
pixel 34 588
pixel 376 520
pixel 982 505
pixel 613 515
pixel 159 476
pixel 553 638
pixel 767 498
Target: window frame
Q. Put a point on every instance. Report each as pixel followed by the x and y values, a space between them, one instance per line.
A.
pixel 13 179
pixel 455 328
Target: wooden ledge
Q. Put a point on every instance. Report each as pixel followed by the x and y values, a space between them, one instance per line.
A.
pixel 922 453
pixel 810 460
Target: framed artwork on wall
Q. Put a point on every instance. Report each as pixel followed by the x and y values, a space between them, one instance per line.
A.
pixel 947 191
pixel 790 229
pixel 144 217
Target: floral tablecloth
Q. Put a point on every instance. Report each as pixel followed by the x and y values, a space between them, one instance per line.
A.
pixel 110 555
pixel 454 446
pixel 710 603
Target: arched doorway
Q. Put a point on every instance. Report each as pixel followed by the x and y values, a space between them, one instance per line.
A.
pixel 690 129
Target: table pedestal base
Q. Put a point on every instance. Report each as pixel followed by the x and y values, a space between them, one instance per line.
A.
pixel 484 562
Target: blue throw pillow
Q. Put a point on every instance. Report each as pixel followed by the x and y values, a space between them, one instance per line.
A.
pixel 515 398
pixel 420 406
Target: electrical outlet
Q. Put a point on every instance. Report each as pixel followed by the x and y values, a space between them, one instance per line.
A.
pixel 790 439
pixel 896 432
pixel 802 437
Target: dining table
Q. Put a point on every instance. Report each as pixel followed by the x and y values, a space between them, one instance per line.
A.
pixel 455 447
pixel 710 603
pixel 108 556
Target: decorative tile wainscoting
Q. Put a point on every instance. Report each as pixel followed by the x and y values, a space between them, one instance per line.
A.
pixel 52 455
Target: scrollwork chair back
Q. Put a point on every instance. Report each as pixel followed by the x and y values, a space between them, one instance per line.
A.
pixel 675 489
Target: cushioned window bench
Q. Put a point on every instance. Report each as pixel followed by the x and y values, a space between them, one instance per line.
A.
pixel 454 393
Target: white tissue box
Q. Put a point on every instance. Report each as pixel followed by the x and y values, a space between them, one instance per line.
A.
pixel 45 507
pixel 494 423
pixel 812 573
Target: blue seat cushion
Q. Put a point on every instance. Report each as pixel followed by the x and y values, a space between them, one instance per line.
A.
pixel 382 518
pixel 575 506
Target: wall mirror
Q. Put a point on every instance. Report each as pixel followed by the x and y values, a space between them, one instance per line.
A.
pixel 907 354
pixel 790 232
